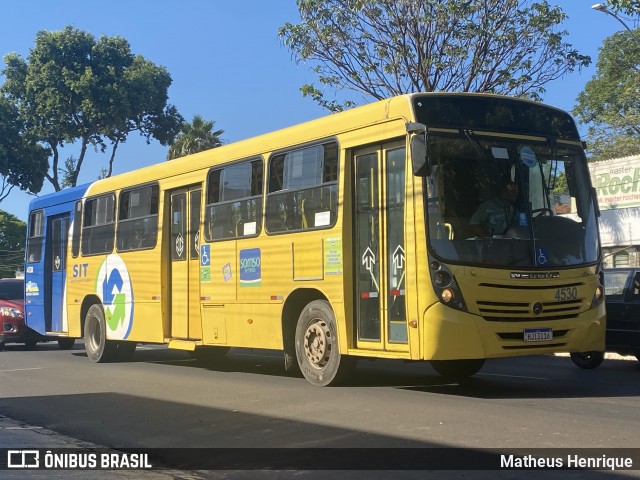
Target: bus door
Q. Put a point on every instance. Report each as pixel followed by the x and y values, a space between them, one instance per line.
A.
pixel 55 267
pixel 184 282
pixel 379 243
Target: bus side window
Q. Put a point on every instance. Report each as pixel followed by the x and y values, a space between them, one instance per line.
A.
pixel 303 189
pixel 77 224
pixel 234 201
pixel 98 226
pixel 36 236
pixel 138 218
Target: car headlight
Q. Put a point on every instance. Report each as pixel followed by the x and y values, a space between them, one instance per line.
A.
pixel 10 312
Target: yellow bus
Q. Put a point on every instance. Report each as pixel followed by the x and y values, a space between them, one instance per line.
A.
pixel 354 235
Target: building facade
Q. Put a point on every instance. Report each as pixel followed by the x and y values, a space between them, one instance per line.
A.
pixel 617 184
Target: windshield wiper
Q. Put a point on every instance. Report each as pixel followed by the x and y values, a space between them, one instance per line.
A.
pixel 470 135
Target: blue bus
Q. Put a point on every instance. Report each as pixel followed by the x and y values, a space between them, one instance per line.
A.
pixel 52 219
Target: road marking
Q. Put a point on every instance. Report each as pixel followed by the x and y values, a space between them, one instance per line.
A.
pixel 22 369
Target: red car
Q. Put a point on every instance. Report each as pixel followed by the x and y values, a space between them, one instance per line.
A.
pixel 12 327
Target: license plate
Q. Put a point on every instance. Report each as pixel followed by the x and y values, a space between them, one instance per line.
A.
pixel 538 334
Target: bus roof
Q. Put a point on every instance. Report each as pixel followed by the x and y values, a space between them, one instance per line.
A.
pixel 397 108
pixel 325 127
pixel 57 198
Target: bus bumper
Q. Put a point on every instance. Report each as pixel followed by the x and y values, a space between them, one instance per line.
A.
pixel 450 334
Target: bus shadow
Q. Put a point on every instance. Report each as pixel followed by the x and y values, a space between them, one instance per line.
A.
pixel 513 378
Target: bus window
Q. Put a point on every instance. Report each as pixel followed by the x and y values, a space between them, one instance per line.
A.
pixel 303 189
pixel 75 235
pixel 138 218
pixel 36 234
pixel 234 201
pixel 98 226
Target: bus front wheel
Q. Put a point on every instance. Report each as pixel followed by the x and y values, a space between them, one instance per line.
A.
pixel 457 369
pixel 587 360
pixel 317 349
pixel 99 349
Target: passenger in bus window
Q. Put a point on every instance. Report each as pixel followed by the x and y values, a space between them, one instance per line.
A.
pixel 496 215
pixel 136 238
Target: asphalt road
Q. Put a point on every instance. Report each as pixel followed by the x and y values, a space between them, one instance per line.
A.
pixel 165 399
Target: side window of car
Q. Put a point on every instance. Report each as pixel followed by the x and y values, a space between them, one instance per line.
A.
pixel 614 283
pixel 635 294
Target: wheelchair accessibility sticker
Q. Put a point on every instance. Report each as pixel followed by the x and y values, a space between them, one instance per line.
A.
pixel 542 256
pixel 205 263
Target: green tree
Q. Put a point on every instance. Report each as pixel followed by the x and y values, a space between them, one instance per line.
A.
pixel 74 88
pixel 629 7
pixel 380 48
pixel 13 232
pixel 194 137
pixel 561 185
pixel 23 163
pixel 610 101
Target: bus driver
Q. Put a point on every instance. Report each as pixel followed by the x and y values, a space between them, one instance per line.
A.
pixel 496 215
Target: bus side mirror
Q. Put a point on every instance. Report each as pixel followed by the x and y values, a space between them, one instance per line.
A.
pixel 418 147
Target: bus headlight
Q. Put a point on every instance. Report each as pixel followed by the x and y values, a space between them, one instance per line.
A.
pixel 447 295
pixel 445 286
pixel 598 297
pixel 442 279
pixel 598 294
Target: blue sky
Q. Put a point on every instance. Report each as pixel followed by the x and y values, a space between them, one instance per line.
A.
pixel 227 62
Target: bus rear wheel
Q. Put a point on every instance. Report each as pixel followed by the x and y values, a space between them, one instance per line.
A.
pixel 587 360
pixel 99 349
pixel 457 369
pixel 317 349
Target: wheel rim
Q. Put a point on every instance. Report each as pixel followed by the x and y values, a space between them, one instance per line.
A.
pixel 317 344
pixel 95 335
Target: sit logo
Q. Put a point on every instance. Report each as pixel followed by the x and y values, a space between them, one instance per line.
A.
pixel 113 286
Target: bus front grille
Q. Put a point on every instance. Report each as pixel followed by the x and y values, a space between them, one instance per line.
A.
pixel 493 311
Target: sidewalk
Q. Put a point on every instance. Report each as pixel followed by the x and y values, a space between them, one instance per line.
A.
pixel 15 435
pixel 607 356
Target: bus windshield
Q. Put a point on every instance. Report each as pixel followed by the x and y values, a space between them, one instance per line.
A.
pixel 497 200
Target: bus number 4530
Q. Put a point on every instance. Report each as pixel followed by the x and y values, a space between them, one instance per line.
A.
pixel 568 293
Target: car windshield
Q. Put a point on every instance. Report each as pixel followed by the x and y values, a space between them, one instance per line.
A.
pixel 11 290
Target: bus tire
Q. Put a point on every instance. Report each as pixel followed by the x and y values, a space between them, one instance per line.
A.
pixel 457 369
pixel 66 343
pixel 317 349
pixel 587 360
pixel 98 348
